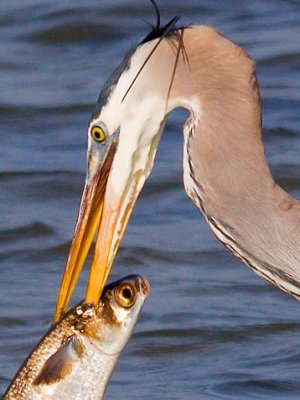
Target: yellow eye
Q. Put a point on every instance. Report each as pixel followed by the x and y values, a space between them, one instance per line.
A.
pixel 125 295
pixel 98 134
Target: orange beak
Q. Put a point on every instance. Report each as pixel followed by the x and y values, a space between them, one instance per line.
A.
pixel 87 222
pixel 115 215
pixel 100 208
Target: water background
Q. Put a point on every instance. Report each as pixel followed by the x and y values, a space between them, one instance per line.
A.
pixel 211 329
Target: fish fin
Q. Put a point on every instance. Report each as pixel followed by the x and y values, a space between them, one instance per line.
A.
pixel 60 364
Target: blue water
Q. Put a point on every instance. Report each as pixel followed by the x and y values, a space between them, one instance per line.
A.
pixel 211 329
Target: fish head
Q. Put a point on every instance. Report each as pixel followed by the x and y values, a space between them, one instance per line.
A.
pixel 115 316
pixel 87 335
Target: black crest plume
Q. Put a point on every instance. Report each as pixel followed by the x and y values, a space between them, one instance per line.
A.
pixel 157 31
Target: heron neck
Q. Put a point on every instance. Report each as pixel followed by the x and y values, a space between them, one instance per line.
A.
pixel 245 209
pixel 225 170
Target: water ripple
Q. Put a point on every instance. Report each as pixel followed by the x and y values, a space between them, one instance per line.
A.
pixel 211 329
pixel 34 230
pixel 77 31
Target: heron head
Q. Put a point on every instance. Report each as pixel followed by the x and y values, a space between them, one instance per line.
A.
pixel 123 136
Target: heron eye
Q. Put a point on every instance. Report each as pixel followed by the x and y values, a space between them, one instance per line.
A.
pixel 125 295
pixel 98 134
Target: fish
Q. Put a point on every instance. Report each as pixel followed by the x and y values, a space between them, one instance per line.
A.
pixel 76 358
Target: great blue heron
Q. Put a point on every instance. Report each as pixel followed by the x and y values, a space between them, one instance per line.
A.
pixel 224 167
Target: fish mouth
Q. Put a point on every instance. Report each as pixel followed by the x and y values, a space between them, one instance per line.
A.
pixel 144 285
pixel 141 284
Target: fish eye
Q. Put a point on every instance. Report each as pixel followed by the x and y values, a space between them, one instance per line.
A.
pixel 125 295
pixel 98 134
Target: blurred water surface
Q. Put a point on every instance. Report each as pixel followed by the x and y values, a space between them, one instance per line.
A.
pixel 211 329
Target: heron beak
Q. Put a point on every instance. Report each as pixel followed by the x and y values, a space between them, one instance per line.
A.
pixel 100 208
pixel 115 215
pixel 88 220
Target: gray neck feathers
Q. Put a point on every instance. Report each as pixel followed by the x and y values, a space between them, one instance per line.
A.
pixel 233 187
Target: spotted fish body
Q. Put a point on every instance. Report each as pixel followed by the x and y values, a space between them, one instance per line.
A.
pixel 75 359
